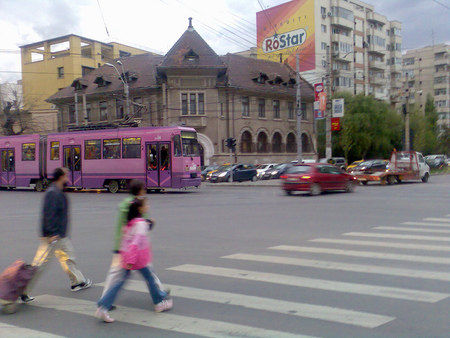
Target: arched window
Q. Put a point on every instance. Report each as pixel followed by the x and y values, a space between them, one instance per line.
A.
pixel 246 142
pixel 276 143
pixel 291 143
pixel 306 144
pixel 262 143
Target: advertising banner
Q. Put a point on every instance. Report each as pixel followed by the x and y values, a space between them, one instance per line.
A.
pixel 335 124
pixel 338 108
pixel 285 30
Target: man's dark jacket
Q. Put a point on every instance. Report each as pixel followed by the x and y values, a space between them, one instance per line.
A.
pixel 54 213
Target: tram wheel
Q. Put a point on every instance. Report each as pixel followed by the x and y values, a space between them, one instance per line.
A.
pixel 113 186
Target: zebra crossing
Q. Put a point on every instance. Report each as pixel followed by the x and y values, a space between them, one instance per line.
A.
pixel 426 256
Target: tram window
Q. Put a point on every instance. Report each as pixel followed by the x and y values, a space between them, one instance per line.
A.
pixel 190 144
pixel 92 149
pixel 131 147
pixel 28 151
pixel 177 145
pixel 111 148
pixel 152 158
pixel 54 151
pixel 165 157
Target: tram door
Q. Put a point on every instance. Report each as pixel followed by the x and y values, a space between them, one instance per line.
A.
pixel 72 161
pixel 8 168
pixel 159 166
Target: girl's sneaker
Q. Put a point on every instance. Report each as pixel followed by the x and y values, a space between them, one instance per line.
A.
pixel 165 305
pixel 103 314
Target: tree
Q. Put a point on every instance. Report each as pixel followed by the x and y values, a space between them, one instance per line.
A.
pixel 369 128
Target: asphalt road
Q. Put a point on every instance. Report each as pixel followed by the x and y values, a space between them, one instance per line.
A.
pixel 245 260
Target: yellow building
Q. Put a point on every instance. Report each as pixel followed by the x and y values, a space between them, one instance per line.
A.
pixel 48 66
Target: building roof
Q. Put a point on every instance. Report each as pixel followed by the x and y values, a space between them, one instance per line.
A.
pixel 191 51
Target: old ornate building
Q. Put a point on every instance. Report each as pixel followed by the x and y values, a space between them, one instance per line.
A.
pixel 253 101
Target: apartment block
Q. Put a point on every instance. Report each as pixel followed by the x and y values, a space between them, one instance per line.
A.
pixel 50 65
pixel 427 71
pixel 343 41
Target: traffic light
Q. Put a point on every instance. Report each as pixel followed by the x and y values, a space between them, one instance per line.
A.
pixel 229 142
pixel 233 144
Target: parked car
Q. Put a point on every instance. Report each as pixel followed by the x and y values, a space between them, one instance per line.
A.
pixel 436 161
pixel 241 172
pixel 222 167
pixel 351 166
pixel 369 167
pixel 315 178
pixel 276 171
pixel 260 169
pixel 339 162
pixel 206 169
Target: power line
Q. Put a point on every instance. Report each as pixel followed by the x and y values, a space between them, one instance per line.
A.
pixel 445 6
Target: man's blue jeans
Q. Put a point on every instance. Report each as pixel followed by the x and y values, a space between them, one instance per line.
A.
pixel 157 295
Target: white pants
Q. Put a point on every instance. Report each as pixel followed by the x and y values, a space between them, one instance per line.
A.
pixel 63 250
pixel 114 274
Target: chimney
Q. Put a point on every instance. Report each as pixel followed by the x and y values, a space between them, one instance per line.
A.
pixel 190 28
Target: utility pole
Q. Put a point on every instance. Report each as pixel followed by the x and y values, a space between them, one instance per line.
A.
pixel 406 112
pixel 299 112
pixel 328 150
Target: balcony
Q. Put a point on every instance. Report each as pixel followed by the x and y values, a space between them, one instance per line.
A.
pixel 395 98
pixel 375 17
pixel 336 38
pixel 396 84
pixel 378 81
pixel 396 68
pixel 344 57
pixel 338 21
pixel 381 65
pixel 373 48
pixel 441 62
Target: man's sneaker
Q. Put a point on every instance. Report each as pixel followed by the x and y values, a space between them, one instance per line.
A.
pixel 167 291
pixel 165 305
pixel 26 298
pixel 112 308
pixel 103 314
pixel 82 286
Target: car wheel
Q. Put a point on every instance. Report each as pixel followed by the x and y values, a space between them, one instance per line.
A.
pixel 425 178
pixel 349 187
pixel 391 180
pixel 254 178
pixel 315 190
pixel 364 182
pixel 288 192
pixel 113 186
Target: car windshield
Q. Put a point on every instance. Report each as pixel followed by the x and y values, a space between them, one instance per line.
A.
pixel 298 169
pixel 224 167
pixel 280 166
pixel 262 166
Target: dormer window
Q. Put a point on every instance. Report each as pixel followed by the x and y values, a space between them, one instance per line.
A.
pixel 102 81
pixel 79 84
pixel 290 84
pixel 191 56
pixel 262 78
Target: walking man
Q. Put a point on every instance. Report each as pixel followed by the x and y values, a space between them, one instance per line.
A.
pixel 55 240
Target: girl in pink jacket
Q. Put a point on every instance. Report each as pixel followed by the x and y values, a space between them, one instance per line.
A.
pixel 136 255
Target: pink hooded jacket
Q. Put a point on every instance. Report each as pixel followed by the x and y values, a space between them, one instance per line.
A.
pixel 135 247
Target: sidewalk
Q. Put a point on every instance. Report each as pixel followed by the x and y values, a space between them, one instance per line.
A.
pixel 259 183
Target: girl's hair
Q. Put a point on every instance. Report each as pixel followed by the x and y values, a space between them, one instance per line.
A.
pixel 134 208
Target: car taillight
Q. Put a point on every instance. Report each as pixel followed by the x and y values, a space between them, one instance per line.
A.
pixel 283 177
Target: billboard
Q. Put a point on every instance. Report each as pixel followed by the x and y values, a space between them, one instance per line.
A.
pixel 285 30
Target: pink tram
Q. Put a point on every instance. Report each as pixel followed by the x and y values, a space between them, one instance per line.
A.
pixel 163 157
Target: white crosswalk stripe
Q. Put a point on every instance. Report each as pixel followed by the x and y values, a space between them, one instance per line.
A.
pixel 397 245
pixel 321 284
pixel 12 331
pixel 365 254
pixel 420 238
pixel 163 321
pixel 326 313
pixel 427 224
pixel 372 269
pixel 431 231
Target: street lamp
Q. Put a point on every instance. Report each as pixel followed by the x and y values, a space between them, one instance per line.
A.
pixel 125 84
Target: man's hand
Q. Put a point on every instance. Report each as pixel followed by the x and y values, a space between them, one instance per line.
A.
pixel 53 239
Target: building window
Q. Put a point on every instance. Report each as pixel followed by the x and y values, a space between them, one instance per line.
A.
pixel 262 143
pixel 323 28
pixel 440 91
pixel 246 142
pixel 88 116
pixel 276 109
pixel 192 103
pixel 261 108
pixel 290 110
pixel 291 143
pixel 131 147
pixel 323 45
pixel 323 10
pixel 54 151
pixel 324 63
pixel 201 103
pixel 60 72
pixel 137 107
pixel 184 104
pixel 72 118
pixel 119 109
pixel 276 143
pixel 86 70
pixel 111 148
pixel 304 111
pixel 103 111
pixel 245 106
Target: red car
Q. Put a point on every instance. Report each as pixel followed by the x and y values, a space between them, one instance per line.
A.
pixel 317 177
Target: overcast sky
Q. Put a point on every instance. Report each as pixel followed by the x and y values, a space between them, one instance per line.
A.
pixel 155 25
